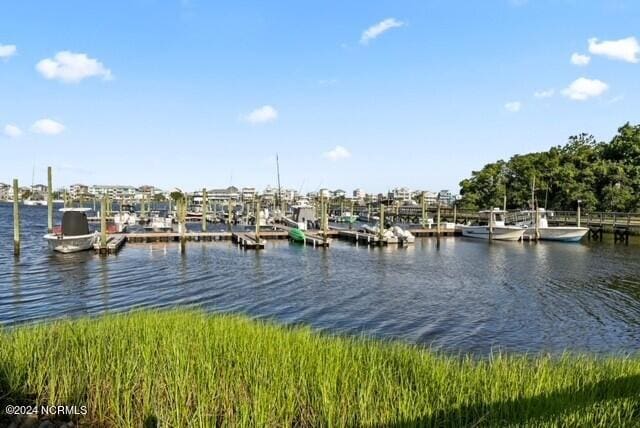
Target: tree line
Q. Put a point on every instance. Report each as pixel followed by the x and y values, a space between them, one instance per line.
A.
pixel 603 176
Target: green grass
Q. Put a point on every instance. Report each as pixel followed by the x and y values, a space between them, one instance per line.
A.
pixel 186 368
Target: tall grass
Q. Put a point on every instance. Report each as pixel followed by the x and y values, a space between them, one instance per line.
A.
pixel 186 368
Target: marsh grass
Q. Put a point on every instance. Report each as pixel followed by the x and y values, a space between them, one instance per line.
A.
pixel 187 368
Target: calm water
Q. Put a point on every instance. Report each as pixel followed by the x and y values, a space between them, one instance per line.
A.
pixel 468 296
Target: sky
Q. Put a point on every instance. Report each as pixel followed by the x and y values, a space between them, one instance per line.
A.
pixel 375 95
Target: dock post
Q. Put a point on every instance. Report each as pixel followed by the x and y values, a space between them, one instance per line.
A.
pixel 181 208
pixel 205 202
pixel 381 225
pixel 491 220
pixel 49 201
pixel 103 224
pixel 438 227
pixel 229 215
pixel 578 214
pixel 16 218
pixel 325 221
pixel 257 216
pixel 423 204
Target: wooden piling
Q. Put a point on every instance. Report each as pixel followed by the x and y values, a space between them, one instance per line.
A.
pixel 49 201
pixel 257 216
pixel 438 227
pixel 423 204
pixel 103 224
pixel 230 227
pixel 205 204
pixel 16 218
pixel 181 211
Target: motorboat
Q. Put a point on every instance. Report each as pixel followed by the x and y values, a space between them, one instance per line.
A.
pixel 297 235
pixel 347 217
pixel 73 235
pixel 549 233
pixel 159 223
pixel 495 227
pixel 403 235
pixel 34 202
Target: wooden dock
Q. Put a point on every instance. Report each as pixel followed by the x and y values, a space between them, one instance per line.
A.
pixel 114 244
pixel 425 232
pixel 359 237
pixel 313 238
pixel 248 241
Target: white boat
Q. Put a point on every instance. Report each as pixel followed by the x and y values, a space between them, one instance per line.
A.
pixel 495 228
pixel 403 235
pixel 550 233
pixel 73 235
pixel 159 223
pixel 34 202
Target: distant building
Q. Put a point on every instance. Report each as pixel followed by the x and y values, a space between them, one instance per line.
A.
pixel 338 193
pixel 75 190
pixel 230 192
pixel 113 191
pixel 399 194
pixel 446 198
pixel 248 193
pixel 5 191
pixel 359 194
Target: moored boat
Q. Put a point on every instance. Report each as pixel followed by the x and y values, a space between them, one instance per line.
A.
pixel 550 233
pixel 73 235
pixel 297 235
pixel 495 228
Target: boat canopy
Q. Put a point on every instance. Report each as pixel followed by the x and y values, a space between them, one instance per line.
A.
pixel 81 210
pixel 74 223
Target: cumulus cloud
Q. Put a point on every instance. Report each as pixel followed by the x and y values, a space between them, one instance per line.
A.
pixel 624 49
pixel 545 93
pixel 337 153
pixel 584 88
pixel 377 29
pixel 7 51
pixel 12 131
pixel 579 59
pixel 513 106
pixel 261 115
pixel 70 67
pixel 47 127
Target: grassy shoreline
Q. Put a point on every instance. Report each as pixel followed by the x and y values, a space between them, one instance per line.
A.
pixel 186 368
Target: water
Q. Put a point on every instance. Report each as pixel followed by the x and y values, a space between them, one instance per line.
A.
pixel 468 296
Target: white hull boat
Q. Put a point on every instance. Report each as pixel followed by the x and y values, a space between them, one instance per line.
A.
pixel 551 233
pixel 73 235
pixel 501 233
pixel 495 229
pixel 71 244
pixel 33 203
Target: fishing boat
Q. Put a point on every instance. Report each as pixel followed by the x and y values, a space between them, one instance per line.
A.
pixel 347 217
pixel 495 227
pixel 549 233
pixel 159 223
pixel 403 235
pixel 297 235
pixel 73 235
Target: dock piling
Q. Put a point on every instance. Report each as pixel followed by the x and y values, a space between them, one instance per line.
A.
pixel 103 224
pixel 205 204
pixel 49 201
pixel 16 218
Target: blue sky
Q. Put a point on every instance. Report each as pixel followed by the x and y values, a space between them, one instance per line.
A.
pixel 192 93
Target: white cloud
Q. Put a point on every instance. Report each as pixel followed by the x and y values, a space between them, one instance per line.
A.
pixel 545 93
pixel 579 59
pixel 624 49
pixel 12 131
pixel 262 114
pixel 337 153
pixel 513 106
pixel 7 51
pixel 47 127
pixel 379 28
pixel 584 88
pixel 71 67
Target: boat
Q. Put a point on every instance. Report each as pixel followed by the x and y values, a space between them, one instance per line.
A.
pixel 403 235
pixel 297 235
pixel 550 233
pixel 34 202
pixel 495 227
pixel 73 235
pixel 347 217
pixel 159 223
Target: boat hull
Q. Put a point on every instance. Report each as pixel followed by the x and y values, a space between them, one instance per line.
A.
pixel 71 244
pixel 561 233
pixel 500 233
pixel 297 235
